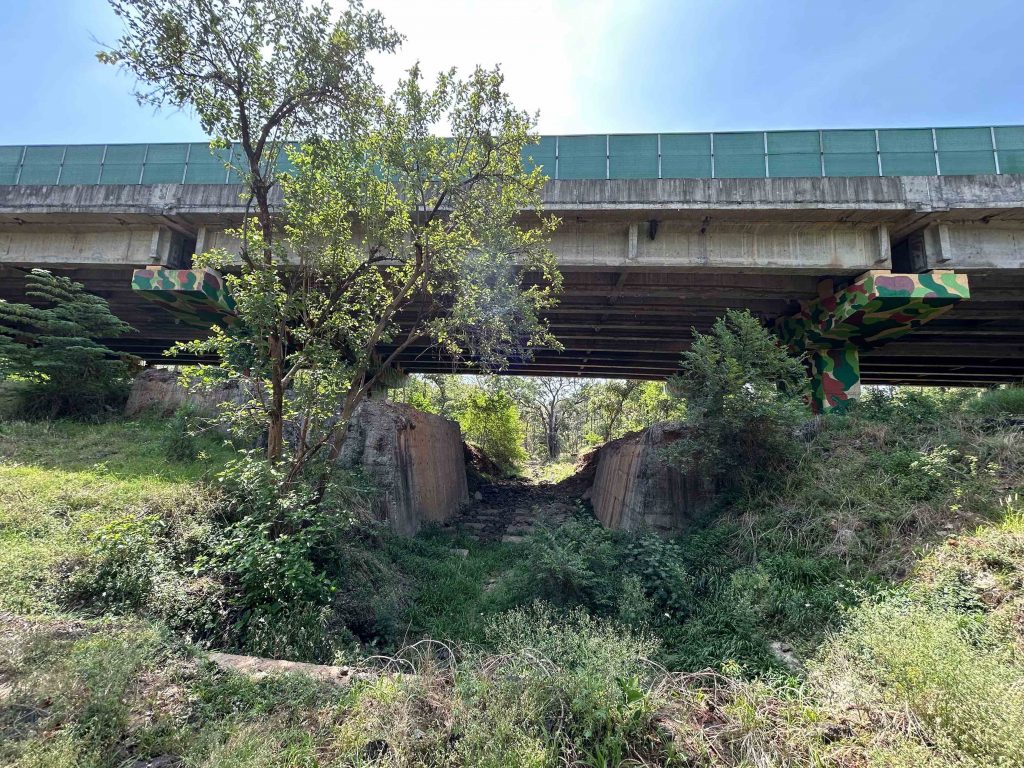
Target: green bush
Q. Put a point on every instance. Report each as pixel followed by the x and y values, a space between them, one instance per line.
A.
pixel 1004 401
pixel 300 574
pixel 115 566
pixel 566 688
pixel 182 441
pixel 968 694
pixel 744 396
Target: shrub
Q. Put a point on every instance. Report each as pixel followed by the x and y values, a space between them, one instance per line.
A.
pixel 52 354
pixel 115 566
pixel 744 394
pixel 295 561
pixel 181 442
pixel 571 689
pixel 968 695
pixel 490 419
pixel 1004 401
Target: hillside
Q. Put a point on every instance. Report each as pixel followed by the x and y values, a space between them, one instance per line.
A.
pixel 864 608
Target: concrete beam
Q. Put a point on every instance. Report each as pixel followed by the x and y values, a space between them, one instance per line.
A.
pixel 831 249
pixel 967 246
pixel 128 246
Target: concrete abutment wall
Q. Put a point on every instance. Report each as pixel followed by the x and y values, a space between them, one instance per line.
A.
pixel 635 489
pixel 414 460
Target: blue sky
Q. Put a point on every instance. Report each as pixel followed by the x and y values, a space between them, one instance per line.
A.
pixel 595 66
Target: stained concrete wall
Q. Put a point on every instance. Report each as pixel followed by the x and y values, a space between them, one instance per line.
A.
pixel 415 460
pixel 635 489
pixel 157 391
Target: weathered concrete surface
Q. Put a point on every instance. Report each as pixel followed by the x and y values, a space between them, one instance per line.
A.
pixel 414 459
pixel 157 391
pixel 889 193
pixel 258 668
pixel 633 489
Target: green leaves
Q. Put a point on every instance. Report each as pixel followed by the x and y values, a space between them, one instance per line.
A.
pixel 743 393
pixel 54 348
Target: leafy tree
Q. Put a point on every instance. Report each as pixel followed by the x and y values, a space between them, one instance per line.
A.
pixel 489 418
pixel 554 402
pixel 53 350
pixel 743 393
pixel 391 238
pixel 259 72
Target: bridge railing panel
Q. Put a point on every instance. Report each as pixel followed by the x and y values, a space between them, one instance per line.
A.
pixel 744 154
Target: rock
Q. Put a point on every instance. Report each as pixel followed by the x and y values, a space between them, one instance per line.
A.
pixel 258 668
pixel 157 391
pixel 463 553
pixel 509 539
pixel 633 488
pixel 478 496
pixel 784 653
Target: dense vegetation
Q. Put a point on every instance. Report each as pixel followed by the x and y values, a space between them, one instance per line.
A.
pixel 854 597
pixel 863 609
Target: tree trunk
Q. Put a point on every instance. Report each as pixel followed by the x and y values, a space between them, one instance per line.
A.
pixel 276 340
pixel 552 430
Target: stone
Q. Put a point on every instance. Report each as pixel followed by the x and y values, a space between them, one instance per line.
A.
pixel 477 496
pixel 510 539
pixel 157 391
pixel 258 668
pixel 463 553
pixel 415 460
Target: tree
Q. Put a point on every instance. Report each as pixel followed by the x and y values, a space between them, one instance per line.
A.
pixel 391 239
pixel 54 349
pixel 259 72
pixel 743 393
pixel 553 400
pixel 489 419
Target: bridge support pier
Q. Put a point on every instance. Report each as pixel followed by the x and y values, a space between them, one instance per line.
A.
pixel 835 377
pixel 876 307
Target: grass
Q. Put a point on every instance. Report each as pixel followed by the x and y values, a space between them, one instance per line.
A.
pixel 57 477
pixel 891 559
pixel 550 471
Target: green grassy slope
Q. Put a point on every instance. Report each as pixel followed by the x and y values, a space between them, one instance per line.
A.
pixel 890 561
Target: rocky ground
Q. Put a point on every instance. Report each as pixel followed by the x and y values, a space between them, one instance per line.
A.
pixel 509 510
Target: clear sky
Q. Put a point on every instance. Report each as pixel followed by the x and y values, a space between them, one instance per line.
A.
pixel 595 66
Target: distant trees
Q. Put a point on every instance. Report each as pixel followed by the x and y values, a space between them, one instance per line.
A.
pixel 570 413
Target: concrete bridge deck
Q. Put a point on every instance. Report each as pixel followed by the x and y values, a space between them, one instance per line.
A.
pixel 643 260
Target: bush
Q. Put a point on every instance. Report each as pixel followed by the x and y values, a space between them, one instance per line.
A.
pixel 1004 401
pixel 52 356
pixel 967 692
pixel 115 568
pixel 295 562
pixel 744 395
pixel 182 440
pixel 491 420
pixel 571 685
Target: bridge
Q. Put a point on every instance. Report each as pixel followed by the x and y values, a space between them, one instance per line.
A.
pixel 888 256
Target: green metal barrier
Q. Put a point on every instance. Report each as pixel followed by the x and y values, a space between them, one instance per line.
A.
pixel 761 154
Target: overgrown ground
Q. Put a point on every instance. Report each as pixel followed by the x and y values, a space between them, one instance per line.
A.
pixel 865 609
